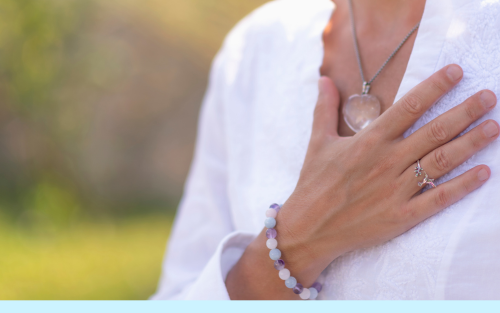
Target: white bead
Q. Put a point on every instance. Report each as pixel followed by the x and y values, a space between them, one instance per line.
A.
pixel 314 293
pixel 271 243
pixel 285 274
pixel 305 294
pixel 271 213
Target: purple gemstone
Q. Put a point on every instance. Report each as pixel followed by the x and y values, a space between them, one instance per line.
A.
pixel 279 264
pixel 317 286
pixel 275 206
pixel 271 233
pixel 298 289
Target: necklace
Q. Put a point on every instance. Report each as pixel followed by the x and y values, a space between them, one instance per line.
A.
pixel 360 110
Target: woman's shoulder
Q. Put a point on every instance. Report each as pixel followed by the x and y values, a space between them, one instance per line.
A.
pixel 278 19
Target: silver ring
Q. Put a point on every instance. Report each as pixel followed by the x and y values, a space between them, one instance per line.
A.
pixel 427 181
pixel 418 169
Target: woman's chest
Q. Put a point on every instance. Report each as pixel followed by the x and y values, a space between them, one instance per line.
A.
pixel 451 255
pixel 379 59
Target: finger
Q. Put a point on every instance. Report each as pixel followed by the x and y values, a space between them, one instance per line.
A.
pixel 326 113
pixel 448 125
pixel 436 199
pixel 405 112
pixel 447 157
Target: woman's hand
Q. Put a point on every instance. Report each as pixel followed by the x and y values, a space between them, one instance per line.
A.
pixel 361 191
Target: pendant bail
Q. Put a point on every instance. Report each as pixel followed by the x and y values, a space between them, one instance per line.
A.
pixel 366 88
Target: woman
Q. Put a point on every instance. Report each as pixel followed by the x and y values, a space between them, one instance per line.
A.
pixel 353 215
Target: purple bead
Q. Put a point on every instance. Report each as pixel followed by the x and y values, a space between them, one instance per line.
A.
pixel 271 233
pixel 298 289
pixel 317 286
pixel 279 264
pixel 275 206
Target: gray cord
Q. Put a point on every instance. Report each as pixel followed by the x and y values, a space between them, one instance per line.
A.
pixel 357 49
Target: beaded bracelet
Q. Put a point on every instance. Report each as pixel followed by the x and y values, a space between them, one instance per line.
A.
pixel 275 254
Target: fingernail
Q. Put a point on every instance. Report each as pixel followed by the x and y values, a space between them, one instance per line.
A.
pixel 490 129
pixel 454 72
pixel 482 175
pixel 488 99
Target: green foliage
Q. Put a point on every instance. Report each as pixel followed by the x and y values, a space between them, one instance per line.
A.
pixel 34 40
pixel 64 65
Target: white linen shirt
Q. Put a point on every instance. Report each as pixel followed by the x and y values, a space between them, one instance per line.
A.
pixel 254 129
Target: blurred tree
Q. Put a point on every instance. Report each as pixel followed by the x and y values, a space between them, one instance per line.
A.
pixel 99 101
pixel 98 108
pixel 36 40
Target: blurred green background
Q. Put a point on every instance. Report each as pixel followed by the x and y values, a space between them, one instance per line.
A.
pixel 98 107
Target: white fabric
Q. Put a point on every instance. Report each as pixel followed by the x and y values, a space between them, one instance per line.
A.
pixel 254 129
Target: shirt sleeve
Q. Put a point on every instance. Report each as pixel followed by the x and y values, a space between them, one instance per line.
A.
pixel 204 245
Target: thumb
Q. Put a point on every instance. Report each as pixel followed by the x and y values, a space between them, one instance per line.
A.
pixel 326 113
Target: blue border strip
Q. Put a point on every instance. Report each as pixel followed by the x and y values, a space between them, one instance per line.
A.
pixel 249 306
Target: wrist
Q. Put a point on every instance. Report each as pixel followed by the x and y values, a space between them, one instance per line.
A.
pixel 256 270
pixel 303 255
pixel 300 270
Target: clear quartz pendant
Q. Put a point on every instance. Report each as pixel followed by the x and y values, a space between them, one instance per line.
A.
pixel 361 110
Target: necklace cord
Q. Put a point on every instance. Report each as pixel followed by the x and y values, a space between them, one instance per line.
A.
pixel 357 48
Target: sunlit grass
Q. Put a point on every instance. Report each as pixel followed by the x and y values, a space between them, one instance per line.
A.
pixel 91 260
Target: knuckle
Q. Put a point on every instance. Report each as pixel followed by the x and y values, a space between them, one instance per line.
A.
pixel 386 164
pixel 466 187
pixel 470 111
pixel 437 132
pixel 369 141
pixel 476 141
pixel 377 131
pixel 441 160
pixel 412 104
pixel 439 85
pixel 407 213
pixel 443 198
pixel 374 136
